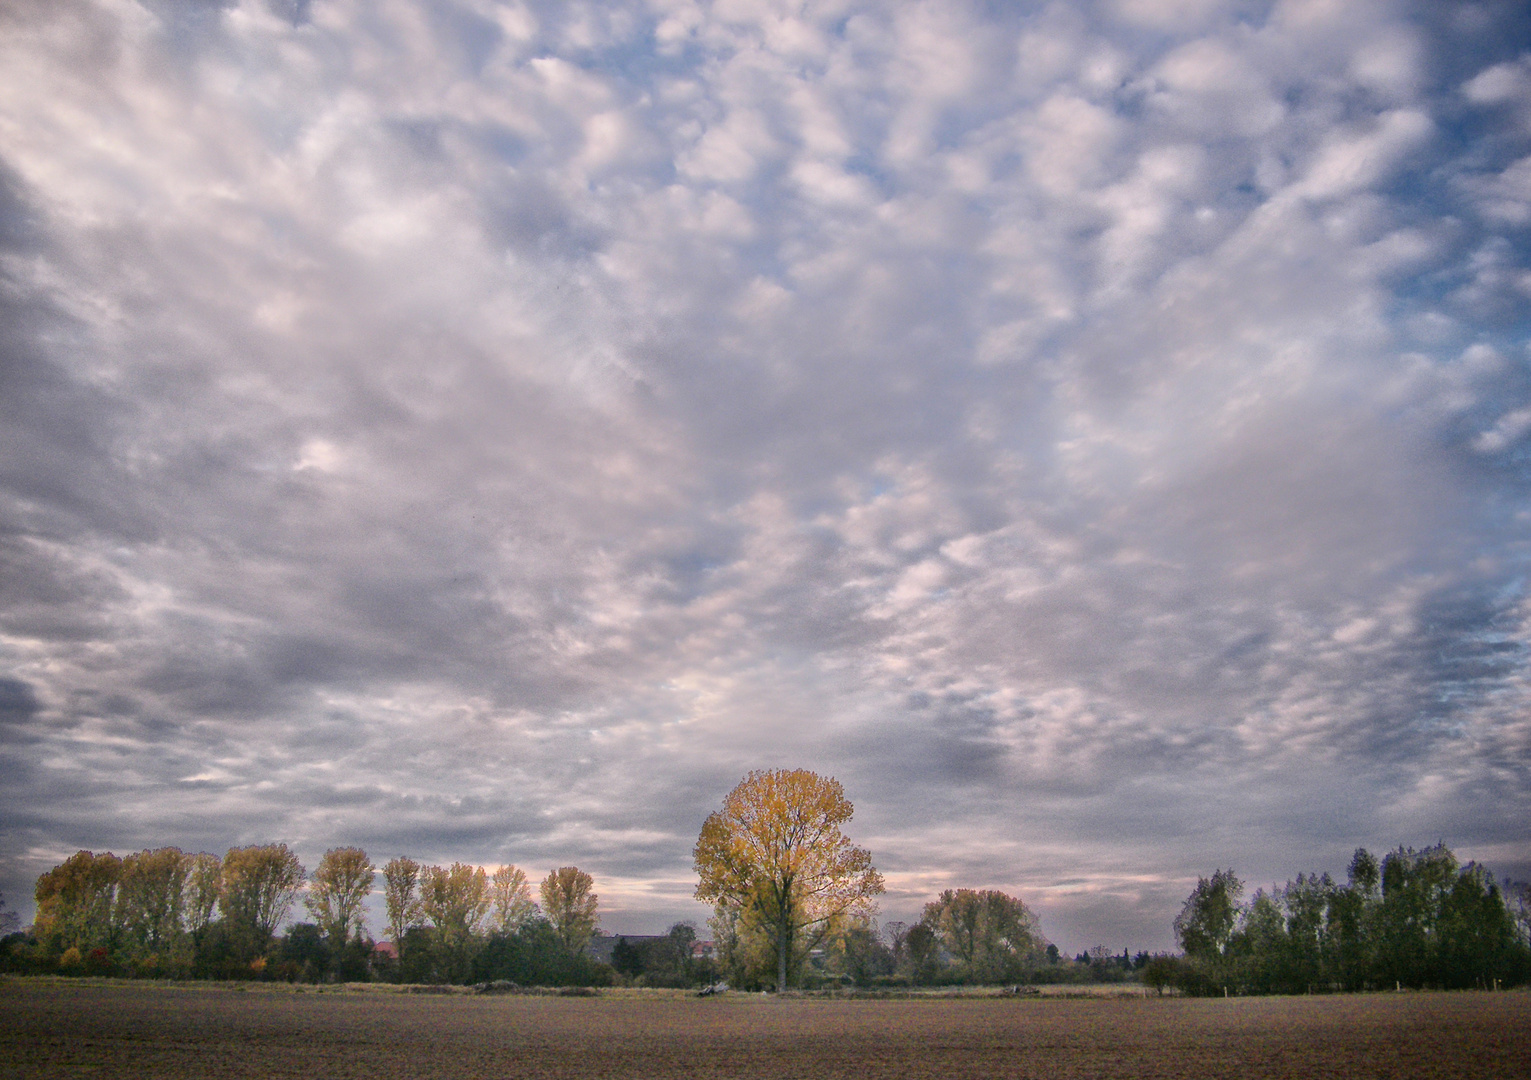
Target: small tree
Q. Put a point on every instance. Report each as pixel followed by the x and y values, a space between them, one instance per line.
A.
pixel 680 942
pixel 862 954
pixel 1162 971
pixel 306 952
pixel 570 905
pixel 627 958
pixel 920 944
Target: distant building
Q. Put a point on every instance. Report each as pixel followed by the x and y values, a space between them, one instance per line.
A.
pixel 600 948
pixel 387 949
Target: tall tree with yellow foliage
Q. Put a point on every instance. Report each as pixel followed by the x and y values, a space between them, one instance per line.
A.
pixel 775 855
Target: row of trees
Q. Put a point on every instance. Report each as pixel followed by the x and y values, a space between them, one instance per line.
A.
pixel 167 912
pixel 164 910
pixel 1414 919
pixel 793 898
pixel 793 902
pixel 460 924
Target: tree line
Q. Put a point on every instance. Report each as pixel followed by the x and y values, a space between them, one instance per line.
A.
pixel 1412 919
pixel 793 905
pixel 168 913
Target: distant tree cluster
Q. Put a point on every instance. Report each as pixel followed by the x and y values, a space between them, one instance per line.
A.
pixel 460 924
pixel 1416 919
pixel 964 937
pixel 971 936
pixel 166 913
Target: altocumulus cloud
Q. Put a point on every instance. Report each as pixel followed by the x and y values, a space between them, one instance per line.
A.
pixel 1097 433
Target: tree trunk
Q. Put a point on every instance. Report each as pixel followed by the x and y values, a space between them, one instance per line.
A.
pixel 784 920
pixel 782 943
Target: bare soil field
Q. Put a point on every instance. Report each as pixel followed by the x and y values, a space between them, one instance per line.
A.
pixel 59 1028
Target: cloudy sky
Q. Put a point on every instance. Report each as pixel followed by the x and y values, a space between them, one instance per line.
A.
pixel 1099 434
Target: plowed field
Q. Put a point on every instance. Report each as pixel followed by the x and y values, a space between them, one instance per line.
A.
pixel 54 1029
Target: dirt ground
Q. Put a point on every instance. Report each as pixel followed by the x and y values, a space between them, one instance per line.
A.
pixel 59 1028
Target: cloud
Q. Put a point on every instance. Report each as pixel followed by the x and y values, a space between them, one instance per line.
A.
pixel 484 431
pixel 1504 197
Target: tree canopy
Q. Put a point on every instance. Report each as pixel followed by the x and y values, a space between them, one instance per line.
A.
pixel 338 892
pixel 512 895
pixel 151 896
pixel 76 900
pixel 1415 919
pixel 257 890
pixel 569 904
pixel 455 898
pixel 988 931
pixel 776 862
pixel 164 913
pixel 401 895
pixel 1206 923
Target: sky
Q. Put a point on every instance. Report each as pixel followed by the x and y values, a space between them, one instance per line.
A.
pixel 1098 434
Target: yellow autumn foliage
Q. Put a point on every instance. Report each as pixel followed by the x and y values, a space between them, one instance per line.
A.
pixel 775 856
